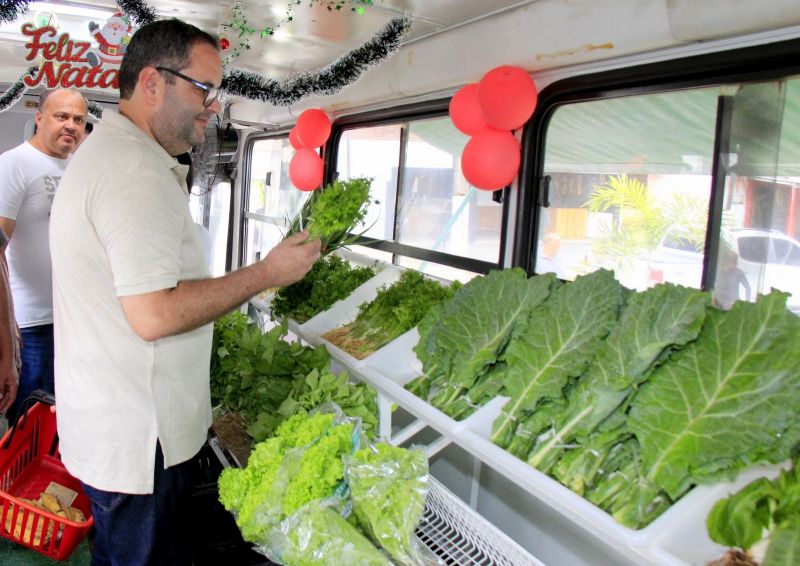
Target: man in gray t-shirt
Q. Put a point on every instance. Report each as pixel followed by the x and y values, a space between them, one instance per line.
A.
pixel 29 176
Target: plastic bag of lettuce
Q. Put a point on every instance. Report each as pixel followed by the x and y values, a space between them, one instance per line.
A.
pixel 388 486
pixel 312 495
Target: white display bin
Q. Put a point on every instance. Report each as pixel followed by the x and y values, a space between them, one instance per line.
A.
pixel 345 311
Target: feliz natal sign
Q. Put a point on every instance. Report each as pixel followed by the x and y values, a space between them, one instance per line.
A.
pixel 68 63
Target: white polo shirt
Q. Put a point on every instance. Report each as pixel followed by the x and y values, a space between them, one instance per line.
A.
pixel 121 226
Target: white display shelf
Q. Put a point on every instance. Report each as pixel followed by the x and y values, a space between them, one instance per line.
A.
pixel 345 311
pixel 676 538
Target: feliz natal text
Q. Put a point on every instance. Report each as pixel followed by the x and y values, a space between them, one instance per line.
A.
pixel 65 52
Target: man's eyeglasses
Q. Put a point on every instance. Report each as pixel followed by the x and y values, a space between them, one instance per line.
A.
pixel 211 92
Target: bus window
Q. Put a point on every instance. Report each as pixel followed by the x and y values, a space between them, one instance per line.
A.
pixel 759 247
pixel 373 152
pixel 270 200
pixel 425 202
pixel 215 204
pixel 630 181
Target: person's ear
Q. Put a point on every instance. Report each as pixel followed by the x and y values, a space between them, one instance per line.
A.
pixel 151 84
pixel 38 119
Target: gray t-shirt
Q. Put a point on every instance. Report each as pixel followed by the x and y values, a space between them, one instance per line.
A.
pixel 28 183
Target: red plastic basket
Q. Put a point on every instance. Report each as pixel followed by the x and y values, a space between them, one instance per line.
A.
pixel 27 466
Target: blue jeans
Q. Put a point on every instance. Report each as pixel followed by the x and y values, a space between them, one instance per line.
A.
pixel 139 530
pixel 37 365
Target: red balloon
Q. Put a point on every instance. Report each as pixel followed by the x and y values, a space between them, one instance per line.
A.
pixel 490 160
pixel 507 97
pixel 313 128
pixel 305 169
pixel 295 143
pixel 465 111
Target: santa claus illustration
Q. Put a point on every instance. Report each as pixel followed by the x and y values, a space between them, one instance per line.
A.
pixel 111 39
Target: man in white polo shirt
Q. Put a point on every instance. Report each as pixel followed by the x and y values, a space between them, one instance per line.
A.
pixel 134 307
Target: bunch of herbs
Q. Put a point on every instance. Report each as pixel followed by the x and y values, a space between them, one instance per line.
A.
pixel 396 309
pixel 333 213
pixel 331 279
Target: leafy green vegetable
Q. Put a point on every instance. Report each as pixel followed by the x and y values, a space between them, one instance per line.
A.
pixel 316 535
pixel 267 379
pixel 388 486
pixel 253 372
pixel 741 519
pixel 317 471
pixel 725 401
pixel 356 399
pixel 462 339
pixel 762 506
pixel 331 214
pixel 243 491
pixel 302 463
pixel 330 279
pixel 663 317
pixel 562 337
pixel 396 309
pixel 784 546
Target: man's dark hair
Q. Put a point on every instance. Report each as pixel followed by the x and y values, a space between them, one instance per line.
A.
pixel 163 43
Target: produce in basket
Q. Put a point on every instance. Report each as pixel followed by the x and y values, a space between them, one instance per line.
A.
pixel 23 526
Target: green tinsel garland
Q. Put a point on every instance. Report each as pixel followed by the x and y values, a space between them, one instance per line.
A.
pixel 329 80
pixel 10 10
pixel 140 13
pixel 16 90
pixel 94 108
pixel 250 85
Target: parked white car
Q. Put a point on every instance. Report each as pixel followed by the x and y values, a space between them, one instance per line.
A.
pixel 768 258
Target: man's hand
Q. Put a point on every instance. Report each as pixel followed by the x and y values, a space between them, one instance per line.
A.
pixel 290 260
pixel 193 303
pixel 9 380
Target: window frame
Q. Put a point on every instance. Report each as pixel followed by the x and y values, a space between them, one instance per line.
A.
pixel 743 65
pixel 401 115
pixel 244 214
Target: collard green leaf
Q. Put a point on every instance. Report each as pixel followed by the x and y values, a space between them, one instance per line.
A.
pixel 664 316
pixel 562 337
pixel 470 330
pixel 724 401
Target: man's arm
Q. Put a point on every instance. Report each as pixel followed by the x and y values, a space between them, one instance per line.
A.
pixel 194 303
pixel 9 337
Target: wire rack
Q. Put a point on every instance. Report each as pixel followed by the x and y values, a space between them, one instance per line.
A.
pixel 460 536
